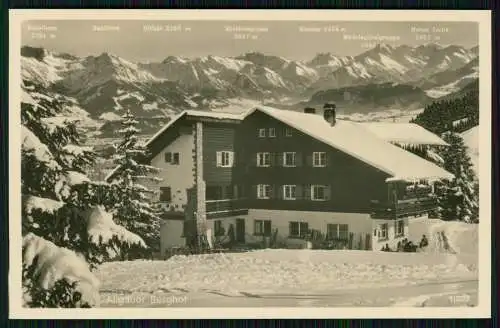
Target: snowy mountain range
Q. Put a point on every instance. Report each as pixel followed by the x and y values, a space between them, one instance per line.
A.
pixel 106 85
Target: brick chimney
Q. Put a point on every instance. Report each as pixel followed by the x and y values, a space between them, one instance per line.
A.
pixel 309 110
pixel 330 113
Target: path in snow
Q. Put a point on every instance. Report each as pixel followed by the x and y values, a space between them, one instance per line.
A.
pixel 453 293
pixel 445 275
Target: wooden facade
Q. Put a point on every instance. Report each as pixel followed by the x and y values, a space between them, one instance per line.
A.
pixel 352 183
pixel 352 186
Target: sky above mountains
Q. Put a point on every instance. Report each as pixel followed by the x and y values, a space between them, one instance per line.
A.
pixel 153 41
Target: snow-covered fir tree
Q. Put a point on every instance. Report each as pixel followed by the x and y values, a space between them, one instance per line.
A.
pixel 458 198
pixel 66 231
pixel 136 209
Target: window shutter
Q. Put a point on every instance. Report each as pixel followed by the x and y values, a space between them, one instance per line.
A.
pixel 278 159
pixel 307 192
pixel 299 159
pixel 254 191
pixel 267 228
pixel 328 192
pixel 309 159
pixel 274 191
pixel 304 229
pixel 272 159
pixel 327 159
pixel 299 192
pixel 219 158
pixel 168 157
pixel 231 159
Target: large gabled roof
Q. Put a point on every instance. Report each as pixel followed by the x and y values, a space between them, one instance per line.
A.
pixel 199 114
pixel 354 139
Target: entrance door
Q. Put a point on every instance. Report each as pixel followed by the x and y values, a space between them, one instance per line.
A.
pixel 240 230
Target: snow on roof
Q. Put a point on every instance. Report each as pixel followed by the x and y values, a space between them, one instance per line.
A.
pixel 215 114
pixel 353 139
pixel 404 133
pixel 197 113
pixel 368 142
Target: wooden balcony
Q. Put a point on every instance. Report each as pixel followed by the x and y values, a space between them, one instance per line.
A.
pixel 403 208
pixel 225 207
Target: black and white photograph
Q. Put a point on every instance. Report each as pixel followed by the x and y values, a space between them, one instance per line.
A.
pixel 214 164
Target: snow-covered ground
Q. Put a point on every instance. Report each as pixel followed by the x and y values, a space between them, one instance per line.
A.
pixel 306 277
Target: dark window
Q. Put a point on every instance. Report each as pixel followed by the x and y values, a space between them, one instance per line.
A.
pixel 262 227
pixel 165 194
pixel 272 132
pixel 288 132
pixel 218 228
pixel 175 159
pixel 213 192
pixel 383 231
pixel 289 159
pixel 229 192
pixel 338 231
pixel 298 229
pixel 168 157
pixel 400 228
pixel 318 192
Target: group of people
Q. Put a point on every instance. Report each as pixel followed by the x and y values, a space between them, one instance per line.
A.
pixel 407 245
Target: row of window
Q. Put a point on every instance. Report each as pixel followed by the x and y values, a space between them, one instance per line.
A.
pixel 296 229
pixel 226 159
pixel 289 159
pixel 333 231
pixel 264 191
pixel 271 132
pixel 293 192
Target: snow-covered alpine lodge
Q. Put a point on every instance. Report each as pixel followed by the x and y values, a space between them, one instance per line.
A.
pixel 286 173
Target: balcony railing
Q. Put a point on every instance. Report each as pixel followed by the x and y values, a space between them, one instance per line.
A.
pixel 224 207
pixel 403 208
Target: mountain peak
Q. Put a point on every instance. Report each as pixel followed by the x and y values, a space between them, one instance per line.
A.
pixel 384 47
pixel 172 60
pixel 431 45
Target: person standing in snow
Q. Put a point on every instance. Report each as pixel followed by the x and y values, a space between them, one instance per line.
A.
pixel 424 242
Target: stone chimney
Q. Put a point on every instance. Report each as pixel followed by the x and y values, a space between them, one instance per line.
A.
pixel 309 110
pixel 329 113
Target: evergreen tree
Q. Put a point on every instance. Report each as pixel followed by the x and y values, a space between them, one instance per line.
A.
pixel 457 114
pixel 135 210
pixel 66 233
pixel 459 197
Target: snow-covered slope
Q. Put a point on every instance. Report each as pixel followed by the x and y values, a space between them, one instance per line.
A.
pixel 471 140
pixel 449 81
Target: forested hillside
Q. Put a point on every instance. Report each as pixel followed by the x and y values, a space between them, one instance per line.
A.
pixel 458 114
